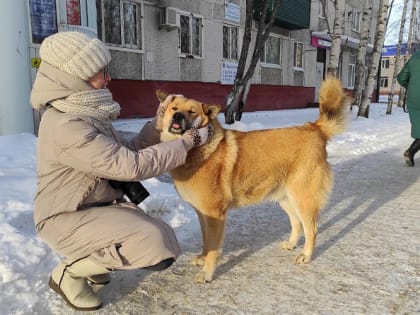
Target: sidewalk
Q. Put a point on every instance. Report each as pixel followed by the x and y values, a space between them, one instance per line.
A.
pixel 366 259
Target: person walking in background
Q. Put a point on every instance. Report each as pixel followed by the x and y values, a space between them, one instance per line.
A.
pixel 409 77
pixel 79 211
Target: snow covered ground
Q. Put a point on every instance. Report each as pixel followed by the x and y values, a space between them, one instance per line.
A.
pixel 367 252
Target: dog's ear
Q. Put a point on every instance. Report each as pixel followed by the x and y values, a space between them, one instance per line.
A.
pixel 211 110
pixel 161 95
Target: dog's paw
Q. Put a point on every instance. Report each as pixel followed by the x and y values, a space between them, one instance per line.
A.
pixel 287 245
pixel 303 259
pixel 201 277
pixel 199 260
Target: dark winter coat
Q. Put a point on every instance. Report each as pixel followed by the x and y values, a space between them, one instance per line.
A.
pixel 409 77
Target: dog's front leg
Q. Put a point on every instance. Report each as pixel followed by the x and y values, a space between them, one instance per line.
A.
pixel 199 260
pixel 215 231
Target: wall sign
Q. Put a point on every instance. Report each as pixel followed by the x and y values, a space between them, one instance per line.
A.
pixel 228 72
pixel 232 12
pixel 321 43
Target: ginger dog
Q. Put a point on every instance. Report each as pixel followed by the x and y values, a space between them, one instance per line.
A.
pixel 236 169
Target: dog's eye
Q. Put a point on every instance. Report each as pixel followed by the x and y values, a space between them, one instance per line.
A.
pixel 191 112
pixel 174 108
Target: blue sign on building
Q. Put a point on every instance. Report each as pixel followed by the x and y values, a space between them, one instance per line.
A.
pixel 391 50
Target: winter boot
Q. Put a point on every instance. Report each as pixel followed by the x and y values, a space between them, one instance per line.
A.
pixel 101 279
pixel 97 282
pixel 70 282
pixel 411 151
pixel 166 263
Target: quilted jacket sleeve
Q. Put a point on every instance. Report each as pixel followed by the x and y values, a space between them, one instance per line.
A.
pixel 147 136
pixel 84 148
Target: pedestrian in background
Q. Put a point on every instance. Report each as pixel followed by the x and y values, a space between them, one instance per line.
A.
pixel 409 77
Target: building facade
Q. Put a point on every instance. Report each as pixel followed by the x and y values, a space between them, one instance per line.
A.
pixel 322 25
pixel 387 69
pixel 193 47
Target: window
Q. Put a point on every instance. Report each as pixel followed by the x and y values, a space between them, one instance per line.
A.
pixel 383 81
pixel 43 19
pixel 190 35
pixel 385 63
pixel 272 51
pixel 321 9
pixel 298 55
pixel 355 20
pixel 78 15
pixel 73 12
pixel 351 73
pixel 121 23
pixel 230 42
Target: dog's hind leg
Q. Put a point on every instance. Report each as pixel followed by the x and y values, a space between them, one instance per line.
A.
pixel 295 225
pixel 310 198
pixel 307 209
pixel 215 232
pixel 310 231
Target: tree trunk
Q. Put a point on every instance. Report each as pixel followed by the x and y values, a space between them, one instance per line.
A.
pixel 238 115
pixel 339 6
pixel 241 82
pixel 236 91
pixel 377 48
pixel 397 59
pixel 413 25
pixel 360 69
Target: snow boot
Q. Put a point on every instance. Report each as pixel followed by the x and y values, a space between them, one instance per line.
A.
pixel 70 282
pixel 101 279
pixel 411 151
pixel 166 263
pixel 97 282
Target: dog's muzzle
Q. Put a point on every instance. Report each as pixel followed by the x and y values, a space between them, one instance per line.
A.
pixel 179 124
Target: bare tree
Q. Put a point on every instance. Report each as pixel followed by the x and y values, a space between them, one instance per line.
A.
pixel 412 26
pixel 360 69
pixel 236 99
pixel 377 48
pixel 339 6
pixel 397 58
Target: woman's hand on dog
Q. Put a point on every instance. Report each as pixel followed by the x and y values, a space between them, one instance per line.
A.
pixel 158 120
pixel 198 136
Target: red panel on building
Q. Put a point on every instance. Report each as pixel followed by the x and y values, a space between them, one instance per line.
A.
pixel 138 98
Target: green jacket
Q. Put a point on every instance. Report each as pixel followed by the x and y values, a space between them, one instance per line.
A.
pixel 409 77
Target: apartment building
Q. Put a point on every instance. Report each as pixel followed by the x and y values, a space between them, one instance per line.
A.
pixel 193 47
pixel 387 69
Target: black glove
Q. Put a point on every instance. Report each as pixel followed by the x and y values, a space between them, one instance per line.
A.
pixel 135 191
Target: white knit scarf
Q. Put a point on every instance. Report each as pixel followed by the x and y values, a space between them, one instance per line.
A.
pixel 97 104
pixel 72 95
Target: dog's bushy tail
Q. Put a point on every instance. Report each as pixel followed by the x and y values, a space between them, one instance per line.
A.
pixel 333 105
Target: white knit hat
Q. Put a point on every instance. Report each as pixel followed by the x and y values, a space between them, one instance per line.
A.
pixel 75 53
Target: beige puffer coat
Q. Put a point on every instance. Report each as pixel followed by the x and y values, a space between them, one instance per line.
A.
pixel 75 160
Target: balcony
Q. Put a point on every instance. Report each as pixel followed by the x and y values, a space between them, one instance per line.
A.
pixel 291 15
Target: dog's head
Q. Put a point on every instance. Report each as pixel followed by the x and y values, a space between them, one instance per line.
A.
pixel 181 111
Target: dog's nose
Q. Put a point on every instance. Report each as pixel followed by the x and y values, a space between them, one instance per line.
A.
pixel 178 116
